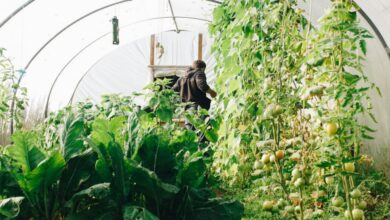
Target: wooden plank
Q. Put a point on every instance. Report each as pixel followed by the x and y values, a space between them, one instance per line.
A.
pixel 168 66
pixel 200 46
pixel 152 46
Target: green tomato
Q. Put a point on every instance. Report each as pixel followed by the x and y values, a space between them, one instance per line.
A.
pixel 346 214
pixel 299 182
pixel 349 167
pixel 295 173
pixel 357 214
pixel 281 203
pixel 318 213
pixel 267 205
pixel 329 180
pixel 257 165
pixel 356 194
pixel 265 158
pixel 272 158
pixel 337 201
pixel 297 209
pixel 289 209
pixel 331 128
pixel 362 204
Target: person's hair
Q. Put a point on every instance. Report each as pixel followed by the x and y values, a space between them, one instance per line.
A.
pixel 199 64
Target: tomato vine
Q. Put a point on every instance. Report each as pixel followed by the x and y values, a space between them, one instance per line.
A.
pixel 288 87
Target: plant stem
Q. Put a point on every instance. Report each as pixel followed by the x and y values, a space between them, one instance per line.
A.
pixel 302 216
pixel 347 197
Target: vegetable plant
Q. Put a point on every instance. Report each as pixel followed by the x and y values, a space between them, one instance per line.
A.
pixel 12 103
pixel 113 160
pixel 290 98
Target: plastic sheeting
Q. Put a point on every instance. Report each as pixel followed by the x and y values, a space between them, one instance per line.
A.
pixel 125 70
pixel 76 48
pixel 85 47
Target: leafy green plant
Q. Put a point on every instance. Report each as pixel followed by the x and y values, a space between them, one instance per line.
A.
pixel 8 97
pixel 88 162
pixel 290 98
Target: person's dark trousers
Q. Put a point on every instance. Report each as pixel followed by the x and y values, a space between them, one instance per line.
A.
pixel 189 126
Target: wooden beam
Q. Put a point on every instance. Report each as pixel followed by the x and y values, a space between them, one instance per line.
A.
pixel 152 46
pixel 200 46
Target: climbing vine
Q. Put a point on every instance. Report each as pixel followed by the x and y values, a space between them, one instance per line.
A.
pixel 290 98
pixel 8 86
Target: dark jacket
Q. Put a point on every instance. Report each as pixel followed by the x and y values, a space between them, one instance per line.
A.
pixel 193 87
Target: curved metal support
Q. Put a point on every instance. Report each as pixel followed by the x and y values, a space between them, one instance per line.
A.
pixel 49 41
pixel 86 73
pixel 173 16
pixel 70 25
pixel 365 16
pixel 64 67
pixel 376 30
pixel 9 17
pixel 97 39
pixel 214 1
pixel 81 79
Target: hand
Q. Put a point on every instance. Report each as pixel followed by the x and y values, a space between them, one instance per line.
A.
pixel 212 93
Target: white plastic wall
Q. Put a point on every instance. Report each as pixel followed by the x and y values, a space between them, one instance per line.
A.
pixel 125 70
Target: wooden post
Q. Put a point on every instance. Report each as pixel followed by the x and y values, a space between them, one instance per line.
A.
pixel 200 46
pixel 152 46
pixel 151 62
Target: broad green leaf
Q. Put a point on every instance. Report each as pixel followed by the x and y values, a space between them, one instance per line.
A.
pixel 218 13
pixel 146 182
pixel 193 171
pixel 120 186
pixel 135 212
pixel 156 154
pixel 95 193
pixel 77 171
pixel 46 173
pixel 211 135
pixel 71 139
pixel 10 207
pixel 23 151
pixel 164 114
pixel 103 130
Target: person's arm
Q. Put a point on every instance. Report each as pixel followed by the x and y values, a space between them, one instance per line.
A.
pixel 176 86
pixel 201 82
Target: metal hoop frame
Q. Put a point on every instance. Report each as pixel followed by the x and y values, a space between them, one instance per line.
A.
pixel 18 10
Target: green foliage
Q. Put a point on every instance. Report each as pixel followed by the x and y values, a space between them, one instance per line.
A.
pixel 289 98
pixel 86 162
pixel 10 207
pixel 8 96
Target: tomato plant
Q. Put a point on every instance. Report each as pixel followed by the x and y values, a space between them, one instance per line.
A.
pixel 286 86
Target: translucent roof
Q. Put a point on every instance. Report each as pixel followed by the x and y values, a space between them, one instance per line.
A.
pixel 51 37
pixel 68 43
pixel 66 47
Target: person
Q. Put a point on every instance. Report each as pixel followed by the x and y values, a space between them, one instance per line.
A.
pixel 193 88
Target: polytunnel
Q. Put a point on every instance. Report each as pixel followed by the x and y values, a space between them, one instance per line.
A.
pixel 305 158
pixel 65 63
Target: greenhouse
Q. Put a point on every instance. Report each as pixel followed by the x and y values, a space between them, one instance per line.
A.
pixel 195 109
